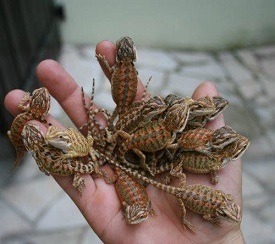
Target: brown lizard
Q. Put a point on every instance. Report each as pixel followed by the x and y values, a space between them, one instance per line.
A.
pixel 196 162
pixel 199 121
pixel 51 160
pixel 202 110
pixel 200 107
pixel 36 107
pixel 205 140
pixel 133 196
pixel 70 138
pixel 124 78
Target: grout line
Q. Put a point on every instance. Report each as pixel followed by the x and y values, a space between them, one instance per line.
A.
pixel 50 204
pixel 16 211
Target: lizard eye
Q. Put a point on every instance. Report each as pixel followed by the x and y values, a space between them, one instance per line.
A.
pixel 60 137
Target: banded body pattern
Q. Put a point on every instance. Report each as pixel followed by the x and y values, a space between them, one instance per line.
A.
pixel 135 201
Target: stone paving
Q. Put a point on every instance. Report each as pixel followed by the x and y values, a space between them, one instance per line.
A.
pixel 245 77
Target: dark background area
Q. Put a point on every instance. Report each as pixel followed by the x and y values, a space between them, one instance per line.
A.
pixel 29 33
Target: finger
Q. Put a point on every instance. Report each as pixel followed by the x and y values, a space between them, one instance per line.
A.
pixel 209 89
pixel 12 100
pixel 108 49
pixel 66 91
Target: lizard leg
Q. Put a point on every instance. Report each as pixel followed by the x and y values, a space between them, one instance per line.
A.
pixel 78 182
pixel 214 177
pixel 104 63
pixel 150 209
pixel 143 160
pixel 112 118
pixel 79 167
pixel 167 179
pixel 113 140
pixel 177 172
pixel 153 165
pixel 186 224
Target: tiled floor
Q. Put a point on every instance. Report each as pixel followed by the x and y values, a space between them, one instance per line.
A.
pixel 245 77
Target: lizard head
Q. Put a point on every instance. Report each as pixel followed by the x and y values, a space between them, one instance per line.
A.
pixel 220 105
pixel 240 147
pixel 126 49
pixel 40 102
pixel 172 99
pixel 176 117
pixel 154 106
pixel 224 136
pixel 58 138
pixel 236 149
pixel 202 106
pixel 229 211
pixel 32 136
pixel 135 214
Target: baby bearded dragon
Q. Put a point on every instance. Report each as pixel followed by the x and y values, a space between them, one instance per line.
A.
pixel 133 196
pixel 213 205
pixel 200 107
pixel 201 110
pixel 51 160
pixel 72 143
pixel 220 105
pixel 66 139
pixel 137 116
pixel 124 78
pixel 140 113
pixel 200 163
pixel 205 140
pixel 154 136
pixel 34 107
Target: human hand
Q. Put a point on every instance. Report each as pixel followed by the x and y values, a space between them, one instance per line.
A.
pixel 99 203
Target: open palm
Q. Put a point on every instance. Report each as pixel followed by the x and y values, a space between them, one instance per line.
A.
pixel 99 203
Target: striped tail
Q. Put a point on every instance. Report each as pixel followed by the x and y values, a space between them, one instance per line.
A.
pixel 169 189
